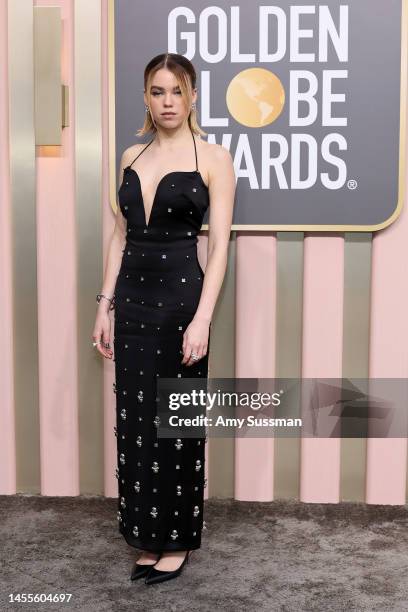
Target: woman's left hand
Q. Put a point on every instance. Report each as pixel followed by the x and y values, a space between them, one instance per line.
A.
pixel 195 340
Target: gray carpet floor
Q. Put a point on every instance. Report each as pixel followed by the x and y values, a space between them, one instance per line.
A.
pixel 282 555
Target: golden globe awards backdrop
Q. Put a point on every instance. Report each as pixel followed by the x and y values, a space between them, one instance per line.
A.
pixel 308 98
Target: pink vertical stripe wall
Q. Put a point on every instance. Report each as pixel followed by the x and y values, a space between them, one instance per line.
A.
pixel 255 316
pixel 387 459
pixel 322 347
pixel 57 312
pixel 7 429
pixel 255 354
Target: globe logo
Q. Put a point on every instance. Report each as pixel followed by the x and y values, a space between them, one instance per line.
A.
pixel 255 97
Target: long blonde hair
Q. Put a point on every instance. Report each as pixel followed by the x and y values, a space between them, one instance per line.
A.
pixel 185 74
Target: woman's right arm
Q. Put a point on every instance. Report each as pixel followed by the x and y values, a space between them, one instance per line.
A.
pixel 102 328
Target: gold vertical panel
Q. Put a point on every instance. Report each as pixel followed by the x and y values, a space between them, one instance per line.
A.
pixel 88 162
pixel 289 296
pixel 47 75
pixel 222 365
pixel 356 337
pixel 24 254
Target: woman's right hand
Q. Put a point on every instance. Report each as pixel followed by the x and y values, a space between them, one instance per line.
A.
pixel 101 334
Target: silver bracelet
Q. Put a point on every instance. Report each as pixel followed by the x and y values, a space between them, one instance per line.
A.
pixel 111 300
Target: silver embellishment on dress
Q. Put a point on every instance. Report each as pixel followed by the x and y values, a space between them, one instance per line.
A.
pixel 156 421
pixel 177 467
pixel 164 256
pixel 154 490
pixel 155 467
pixel 142 278
pixel 123 414
pixel 179 375
pixel 169 209
pixel 129 252
pixel 174 534
pixel 204 525
pixel 172 184
pixel 153 535
pixel 137 486
pixel 205 483
pixel 178 489
pixel 160 303
pixel 158 351
pixel 136 531
pixel 141 372
pixel 117 473
pixel 154 512
pixel 122 458
pixel 128 299
pixel 140 396
pixel 188 233
pixel 183 280
pixel 198 465
pixel 178 444
pixel 122 502
pixel 126 207
pixel 142 325
pixel 194 533
pixel 124 392
pixel 139 441
pixel 180 327
pixel 119 516
pixel 126 346
pixel 194 189
pixel 176 513
pixel 196 511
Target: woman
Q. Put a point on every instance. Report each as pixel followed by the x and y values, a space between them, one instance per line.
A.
pixel 163 309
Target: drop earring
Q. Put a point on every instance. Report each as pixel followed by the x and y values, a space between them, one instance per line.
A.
pixel 147 109
pixel 193 106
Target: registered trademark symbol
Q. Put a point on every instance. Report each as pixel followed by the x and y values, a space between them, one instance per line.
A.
pixel 352 184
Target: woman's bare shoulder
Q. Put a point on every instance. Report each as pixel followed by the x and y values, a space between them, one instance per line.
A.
pixel 131 152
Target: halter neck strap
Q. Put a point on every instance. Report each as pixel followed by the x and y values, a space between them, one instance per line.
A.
pixel 149 143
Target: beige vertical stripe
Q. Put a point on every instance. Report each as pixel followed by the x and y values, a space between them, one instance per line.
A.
pixel 23 197
pixel 288 351
pixel 88 143
pixel 222 365
pixel 356 337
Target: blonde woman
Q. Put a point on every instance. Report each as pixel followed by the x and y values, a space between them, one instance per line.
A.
pixel 163 309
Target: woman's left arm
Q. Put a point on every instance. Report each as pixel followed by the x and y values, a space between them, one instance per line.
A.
pixel 222 183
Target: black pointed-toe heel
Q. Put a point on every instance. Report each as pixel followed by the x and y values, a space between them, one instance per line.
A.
pixel 154 575
pixel 140 570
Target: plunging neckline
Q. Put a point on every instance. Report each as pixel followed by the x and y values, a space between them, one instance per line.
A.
pixel 147 222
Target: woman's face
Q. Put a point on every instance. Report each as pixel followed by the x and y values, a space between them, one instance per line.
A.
pixel 166 97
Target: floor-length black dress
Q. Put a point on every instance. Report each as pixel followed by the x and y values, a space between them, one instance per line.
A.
pixel 160 480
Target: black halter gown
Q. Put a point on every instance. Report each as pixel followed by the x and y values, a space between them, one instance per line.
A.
pixel 160 480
